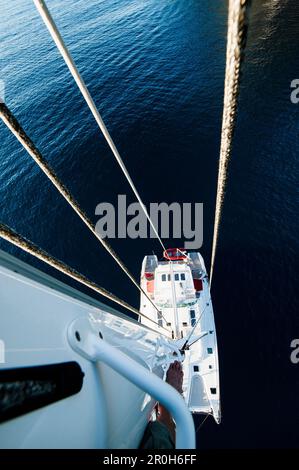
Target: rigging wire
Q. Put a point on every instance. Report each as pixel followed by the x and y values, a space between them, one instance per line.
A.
pixel 185 345
pixel 236 39
pixel 14 126
pixel 13 237
pixel 174 300
pixel 237 30
pixel 56 36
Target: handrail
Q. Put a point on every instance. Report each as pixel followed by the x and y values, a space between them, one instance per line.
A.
pixel 95 349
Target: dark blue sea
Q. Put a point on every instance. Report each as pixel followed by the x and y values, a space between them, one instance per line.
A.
pixel 156 70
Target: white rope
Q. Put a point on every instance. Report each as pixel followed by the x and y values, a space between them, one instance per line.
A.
pixel 202 423
pixel 236 36
pixel 49 22
pixel 174 300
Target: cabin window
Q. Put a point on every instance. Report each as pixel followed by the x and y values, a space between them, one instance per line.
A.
pixel 176 277
pixel 183 277
pixel 213 390
pixel 210 350
pixel 168 277
pixel 185 323
pixel 168 324
pixel 159 315
pixel 192 317
pixel 195 368
pixel 163 277
pixel 160 322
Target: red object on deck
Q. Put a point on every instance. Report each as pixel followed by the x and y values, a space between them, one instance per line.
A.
pixel 175 254
pixel 197 284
